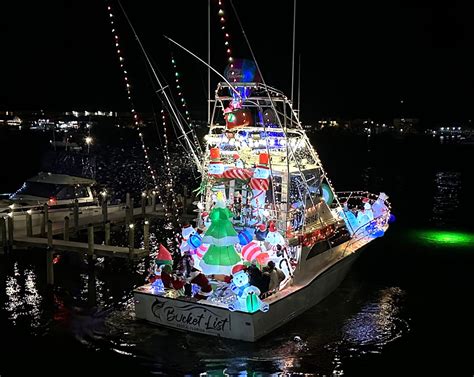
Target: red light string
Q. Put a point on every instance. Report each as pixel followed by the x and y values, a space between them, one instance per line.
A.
pixel 136 118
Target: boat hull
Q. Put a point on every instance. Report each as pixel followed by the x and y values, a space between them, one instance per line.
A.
pixel 212 320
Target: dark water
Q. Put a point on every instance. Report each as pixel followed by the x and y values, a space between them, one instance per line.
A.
pixel 404 309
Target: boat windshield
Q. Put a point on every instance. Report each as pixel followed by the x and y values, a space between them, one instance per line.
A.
pixel 40 189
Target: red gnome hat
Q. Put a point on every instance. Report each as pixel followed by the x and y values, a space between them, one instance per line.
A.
pixel 164 256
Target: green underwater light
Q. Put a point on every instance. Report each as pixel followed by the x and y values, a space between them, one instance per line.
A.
pixel 445 238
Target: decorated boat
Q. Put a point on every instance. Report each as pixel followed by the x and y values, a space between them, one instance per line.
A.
pixel 272 238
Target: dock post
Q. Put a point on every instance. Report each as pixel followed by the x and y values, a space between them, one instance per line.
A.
pixel 131 240
pixel 10 232
pixel 76 215
pixel 107 233
pixel 131 208
pixel 90 240
pixel 45 218
pixel 29 224
pixel 44 222
pixel 66 228
pixel 144 197
pixel 127 199
pixel 153 201
pixel 3 233
pixel 49 256
pixel 146 235
pixel 104 207
pixel 127 216
pixel 50 234
pixel 185 199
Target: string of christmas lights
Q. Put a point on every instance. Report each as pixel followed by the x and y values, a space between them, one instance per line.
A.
pixel 183 103
pixel 228 49
pixel 136 119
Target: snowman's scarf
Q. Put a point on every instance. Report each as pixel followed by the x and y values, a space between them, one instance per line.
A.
pixel 241 289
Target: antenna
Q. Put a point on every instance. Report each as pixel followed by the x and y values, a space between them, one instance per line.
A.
pixel 293 53
pixel 208 65
pixel 299 86
pixel 209 62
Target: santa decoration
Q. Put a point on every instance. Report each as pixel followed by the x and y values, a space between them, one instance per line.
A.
pixel 274 237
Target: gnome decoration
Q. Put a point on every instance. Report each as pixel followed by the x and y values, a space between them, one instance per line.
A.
pixel 163 256
pixel 215 167
pixel 221 236
pixel 246 295
pixel 259 185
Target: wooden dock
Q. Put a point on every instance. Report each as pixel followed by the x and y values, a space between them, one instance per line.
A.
pixel 36 230
pixel 80 247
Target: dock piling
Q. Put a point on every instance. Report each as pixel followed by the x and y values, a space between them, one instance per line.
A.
pixel 76 215
pixel 29 224
pixel 127 199
pixel 131 240
pixel 144 197
pixel 107 233
pixel 10 231
pixel 104 207
pixel 90 240
pixel 3 233
pixel 66 228
pixel 49 256
pixel 153 201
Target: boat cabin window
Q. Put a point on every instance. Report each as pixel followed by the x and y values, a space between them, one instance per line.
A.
pixel 82 192
pixel 39 189
pixel 67 192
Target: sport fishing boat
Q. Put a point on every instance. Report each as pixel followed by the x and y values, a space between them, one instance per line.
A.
pixel 266 210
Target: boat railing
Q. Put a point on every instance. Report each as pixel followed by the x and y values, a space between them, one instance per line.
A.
pixel 374 227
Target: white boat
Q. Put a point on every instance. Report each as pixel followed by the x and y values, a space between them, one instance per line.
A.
pixel 261 171
pixel 58 191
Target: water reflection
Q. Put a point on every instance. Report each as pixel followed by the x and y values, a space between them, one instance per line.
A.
pixel 23 301
pixel 446 198
pixel 377 323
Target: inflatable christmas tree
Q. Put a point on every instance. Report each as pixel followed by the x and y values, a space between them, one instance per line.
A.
pixel 221 236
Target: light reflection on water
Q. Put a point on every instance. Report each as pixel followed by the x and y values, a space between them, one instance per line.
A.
pixel 446 198
pixel 23 301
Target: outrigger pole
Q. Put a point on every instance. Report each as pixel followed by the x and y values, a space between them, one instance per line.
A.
pixel 196 159
pixel 208 65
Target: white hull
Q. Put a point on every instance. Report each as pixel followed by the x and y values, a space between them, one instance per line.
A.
pixel 201 317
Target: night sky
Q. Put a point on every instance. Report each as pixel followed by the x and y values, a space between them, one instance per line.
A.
pixel 358 59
